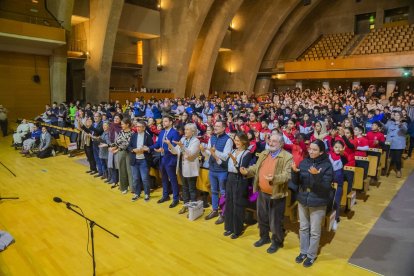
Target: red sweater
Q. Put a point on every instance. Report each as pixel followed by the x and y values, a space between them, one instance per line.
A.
pixel 375 136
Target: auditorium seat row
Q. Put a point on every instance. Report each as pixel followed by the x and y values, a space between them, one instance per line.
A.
pixel 387 40
pixel 328 46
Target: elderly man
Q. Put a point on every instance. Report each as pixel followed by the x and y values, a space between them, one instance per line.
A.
pixel 271 174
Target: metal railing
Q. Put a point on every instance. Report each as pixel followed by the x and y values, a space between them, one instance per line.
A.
pixel 50 22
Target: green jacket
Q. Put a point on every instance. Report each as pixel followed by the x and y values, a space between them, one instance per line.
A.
pixel 281 175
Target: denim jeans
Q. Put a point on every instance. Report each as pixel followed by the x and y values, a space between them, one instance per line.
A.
pixel 140 176
pixel 218 184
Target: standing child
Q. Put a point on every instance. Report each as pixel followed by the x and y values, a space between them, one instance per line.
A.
pixel 338 161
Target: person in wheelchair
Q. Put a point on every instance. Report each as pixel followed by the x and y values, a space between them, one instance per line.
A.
pixel 31 142
pixel 22 130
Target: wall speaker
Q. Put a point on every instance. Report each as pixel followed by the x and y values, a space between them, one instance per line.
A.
pixel 36 78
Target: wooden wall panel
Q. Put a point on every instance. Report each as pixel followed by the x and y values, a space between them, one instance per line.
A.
pixel 18 93
pixel 121 96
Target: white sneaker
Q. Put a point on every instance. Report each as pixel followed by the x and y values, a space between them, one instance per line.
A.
pixel 335 226
pixel 53 152
pixel 124 192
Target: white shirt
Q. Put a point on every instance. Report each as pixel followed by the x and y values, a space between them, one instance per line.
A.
pixel 140 143
pixel 231 166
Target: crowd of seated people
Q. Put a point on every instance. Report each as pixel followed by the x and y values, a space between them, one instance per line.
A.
pixel 254 150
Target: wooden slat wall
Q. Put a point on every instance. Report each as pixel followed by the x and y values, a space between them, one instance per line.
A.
pixel 18 93
pixel 121 96
pixel 350 67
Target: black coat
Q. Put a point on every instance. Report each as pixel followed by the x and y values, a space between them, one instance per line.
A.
pixel 314 190
pixel 133 145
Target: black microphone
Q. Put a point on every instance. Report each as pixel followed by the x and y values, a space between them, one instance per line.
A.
pixel 59 200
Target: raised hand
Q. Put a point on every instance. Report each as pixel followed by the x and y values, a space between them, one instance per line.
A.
pixel 268 177
pixel 294 167
pixel 314 170
pixel 243 170
pixel 161 150
pixel 179 143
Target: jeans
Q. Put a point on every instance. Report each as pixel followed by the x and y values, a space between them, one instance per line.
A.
pixel 217 182
pixel 310 219
pixel 140 176
pixel 95 149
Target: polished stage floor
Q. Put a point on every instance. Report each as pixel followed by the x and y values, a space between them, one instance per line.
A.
pixel 154 240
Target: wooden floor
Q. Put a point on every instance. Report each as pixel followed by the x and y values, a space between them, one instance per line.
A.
pixel 154 240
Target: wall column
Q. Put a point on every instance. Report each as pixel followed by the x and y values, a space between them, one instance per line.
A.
pixel 390 87
pixel 103 27
pixel 262 85
pixel 58 67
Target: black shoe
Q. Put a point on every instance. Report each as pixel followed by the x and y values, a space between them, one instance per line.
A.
pixel 220 220
pixel 235 236
pixel 114 186
pixel 93 172
pixel 308 262
pixel 261 242
pixel 227 233
pixel 163 199
pixel 299 259
pixel 174 203
pixel 98 175
pixel 88 171
pixel 273 247
pixel 212 214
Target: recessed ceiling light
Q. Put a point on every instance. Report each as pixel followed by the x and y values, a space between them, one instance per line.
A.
pixel 35 1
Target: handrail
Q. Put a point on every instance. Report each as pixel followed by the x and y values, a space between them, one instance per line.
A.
pixel 38 20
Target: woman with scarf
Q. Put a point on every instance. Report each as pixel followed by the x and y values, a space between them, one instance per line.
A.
pixel 119 147
pixel 114 130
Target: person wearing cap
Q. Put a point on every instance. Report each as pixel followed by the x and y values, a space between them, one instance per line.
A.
pixel 3 120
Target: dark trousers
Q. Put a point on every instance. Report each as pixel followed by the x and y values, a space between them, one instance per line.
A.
pixel 189 189
pixel 168 176
pixel 349 177
pixel 45 153
pixel 90 157
pixel 4 125
pixel 237 197
pixel 411 147
pixel 98 162
pixel 395 156
pixel 270 215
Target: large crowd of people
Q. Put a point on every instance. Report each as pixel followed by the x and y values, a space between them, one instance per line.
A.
pixel 255 149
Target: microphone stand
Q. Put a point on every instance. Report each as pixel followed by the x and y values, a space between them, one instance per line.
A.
pixel 91 225
pixel 8 198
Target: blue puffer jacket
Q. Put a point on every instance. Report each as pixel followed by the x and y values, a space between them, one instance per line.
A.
pixel 396 134
pixel 314 190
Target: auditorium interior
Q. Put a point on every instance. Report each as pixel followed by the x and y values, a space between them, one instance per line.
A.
pixel 112 51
